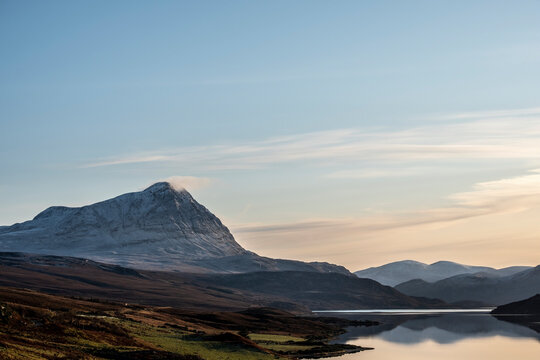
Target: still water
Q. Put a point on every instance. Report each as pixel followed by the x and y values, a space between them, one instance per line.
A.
pixel 442 335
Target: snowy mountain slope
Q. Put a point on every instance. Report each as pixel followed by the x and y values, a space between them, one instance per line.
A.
pixel 400 271
pixel 157 221
pixel 158 228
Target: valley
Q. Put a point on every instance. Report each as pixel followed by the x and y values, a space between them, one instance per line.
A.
pixel 155 275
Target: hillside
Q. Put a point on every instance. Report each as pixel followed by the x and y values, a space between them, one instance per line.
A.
pixel 530 306
pixel 295 290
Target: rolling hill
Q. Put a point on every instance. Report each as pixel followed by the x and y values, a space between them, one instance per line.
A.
pixel 400 271
pixel 486 288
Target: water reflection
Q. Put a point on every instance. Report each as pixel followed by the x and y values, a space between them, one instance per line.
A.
pixel 440 328
pixel 443 336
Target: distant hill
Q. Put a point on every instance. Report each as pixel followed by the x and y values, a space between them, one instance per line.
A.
pixel 484 287
pixel 400 271
pixel 530 306
pixel 159 228
pixel 290 290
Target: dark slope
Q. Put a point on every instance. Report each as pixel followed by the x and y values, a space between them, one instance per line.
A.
pixel 322 291
pixel 89 279
pixel 295 291
pixel 525 312
pixel 478 287
pixel 530 306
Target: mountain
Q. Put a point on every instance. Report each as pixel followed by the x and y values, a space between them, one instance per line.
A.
pixel 289 290
pixel 400 271
pixel 158 228
pixel 484 287
pixel 322 291
pixel 530 306
pixel 157 221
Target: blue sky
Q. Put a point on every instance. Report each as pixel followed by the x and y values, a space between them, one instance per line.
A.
pixel 296 113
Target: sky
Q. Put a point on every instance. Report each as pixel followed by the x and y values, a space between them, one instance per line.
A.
pixel 354 132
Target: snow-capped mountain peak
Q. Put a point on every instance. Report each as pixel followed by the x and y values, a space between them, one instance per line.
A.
pixel 158 220
pixel 160 228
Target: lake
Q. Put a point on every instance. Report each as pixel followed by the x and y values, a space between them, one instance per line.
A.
pixel 440 334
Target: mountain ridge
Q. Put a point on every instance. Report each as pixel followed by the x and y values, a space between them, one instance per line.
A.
pixel 398 272
pixel 483 287
pixel 159 228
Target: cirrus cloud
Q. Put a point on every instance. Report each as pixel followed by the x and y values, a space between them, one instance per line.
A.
pixel 408 232
pixel 507 134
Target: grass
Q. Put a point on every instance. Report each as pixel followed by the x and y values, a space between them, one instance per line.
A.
pixel 167 339
pixel 188 343
pixel 287 348
pixel 274 338
pixel 21 352
pixel 281 343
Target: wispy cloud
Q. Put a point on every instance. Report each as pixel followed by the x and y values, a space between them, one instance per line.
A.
pixel 128 160
pixel 369 173
pixel 501 134
pixel 492 114
pixel 344 237
pixel 511 194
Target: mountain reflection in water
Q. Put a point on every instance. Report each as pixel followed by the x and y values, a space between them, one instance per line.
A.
pixel 442 336
pixel 441 328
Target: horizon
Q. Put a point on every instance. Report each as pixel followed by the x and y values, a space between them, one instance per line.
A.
pixel 359 134
pixel 177 185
